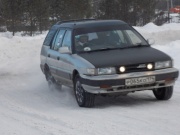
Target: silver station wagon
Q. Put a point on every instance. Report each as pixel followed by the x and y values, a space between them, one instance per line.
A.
pixel 104 57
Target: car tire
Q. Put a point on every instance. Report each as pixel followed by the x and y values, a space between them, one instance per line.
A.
pixel 52 82
pixel 83 98
pixel 164 93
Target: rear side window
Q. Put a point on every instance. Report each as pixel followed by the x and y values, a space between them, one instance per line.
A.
pixel 50 35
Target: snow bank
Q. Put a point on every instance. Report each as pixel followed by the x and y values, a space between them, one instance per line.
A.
pixel 17 51
pixel 151 27
pixel 20 34
pixel 161 34
pixel 175 17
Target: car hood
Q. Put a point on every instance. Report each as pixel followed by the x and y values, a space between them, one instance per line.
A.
pixel 128 56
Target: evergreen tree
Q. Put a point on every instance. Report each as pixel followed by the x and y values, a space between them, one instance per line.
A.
pixel 131 11
pixel 33 15
pixel 12 11
pixel 36 15
pixel 41 14
pixel 70 9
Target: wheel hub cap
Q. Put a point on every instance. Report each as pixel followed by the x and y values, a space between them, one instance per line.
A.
pixel 79 92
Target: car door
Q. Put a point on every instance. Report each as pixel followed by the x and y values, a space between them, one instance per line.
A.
pixel 53 54
pixel 64 68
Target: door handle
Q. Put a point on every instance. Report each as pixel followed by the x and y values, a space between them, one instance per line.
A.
pixel 49 55
pixel 58 58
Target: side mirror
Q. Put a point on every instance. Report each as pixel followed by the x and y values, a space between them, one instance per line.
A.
pixel 151 41
pixel 65 50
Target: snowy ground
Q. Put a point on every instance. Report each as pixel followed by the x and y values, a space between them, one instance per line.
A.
pixel 28 107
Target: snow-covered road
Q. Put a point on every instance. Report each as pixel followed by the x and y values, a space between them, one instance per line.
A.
pixel 28 107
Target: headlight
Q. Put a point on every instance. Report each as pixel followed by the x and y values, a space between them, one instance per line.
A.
pixel 106 71
pixel 100 71
pixel 91 71
pixel 164 64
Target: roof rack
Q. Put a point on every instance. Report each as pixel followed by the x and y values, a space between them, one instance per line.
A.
pixel 75 20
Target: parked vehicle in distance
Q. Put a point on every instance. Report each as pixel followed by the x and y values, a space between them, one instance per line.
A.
pixel 175 9
pixel 101 57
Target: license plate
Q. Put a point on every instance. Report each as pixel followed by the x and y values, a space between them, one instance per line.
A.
pixel 140 80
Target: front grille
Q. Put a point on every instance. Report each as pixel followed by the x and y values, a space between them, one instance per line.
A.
pixel 135 68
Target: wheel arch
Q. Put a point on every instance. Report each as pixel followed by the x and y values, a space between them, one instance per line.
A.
pixel 75 72
pixel 46 69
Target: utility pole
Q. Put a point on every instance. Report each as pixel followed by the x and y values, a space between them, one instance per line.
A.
pixel 167 5
pixel 171 3
pixel 168 11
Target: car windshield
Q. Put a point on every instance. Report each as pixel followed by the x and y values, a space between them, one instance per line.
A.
pixel 107 38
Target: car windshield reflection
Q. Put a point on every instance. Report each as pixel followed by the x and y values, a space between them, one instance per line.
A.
pixel 108 40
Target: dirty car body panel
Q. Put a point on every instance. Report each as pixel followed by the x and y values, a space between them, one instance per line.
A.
pixel 115 59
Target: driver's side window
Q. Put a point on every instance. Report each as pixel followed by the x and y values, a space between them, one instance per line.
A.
pixel 58 40
pixel 67 41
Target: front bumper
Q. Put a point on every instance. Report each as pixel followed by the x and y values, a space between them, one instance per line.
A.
pixel 116 83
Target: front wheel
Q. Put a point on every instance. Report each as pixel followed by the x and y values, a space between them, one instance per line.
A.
pixel 83 98
pixel 164 93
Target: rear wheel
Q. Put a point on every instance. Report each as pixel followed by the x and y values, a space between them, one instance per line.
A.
pixel 164 93
pixel 83 98
pixel 52 82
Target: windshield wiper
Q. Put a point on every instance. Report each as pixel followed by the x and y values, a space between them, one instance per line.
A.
pixel 101 49
pixel 140 45
pixel 109 48
pixel 136 45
